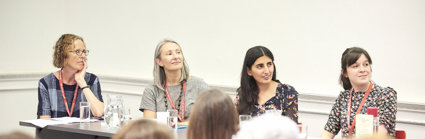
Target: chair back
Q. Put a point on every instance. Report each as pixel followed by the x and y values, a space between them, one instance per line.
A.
pixel 400 134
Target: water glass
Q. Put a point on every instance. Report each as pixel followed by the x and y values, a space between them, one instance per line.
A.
pixel 84 112
pixel 172 118
pixel 243 118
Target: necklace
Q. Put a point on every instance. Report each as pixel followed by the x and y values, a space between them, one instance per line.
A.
pixel 181 100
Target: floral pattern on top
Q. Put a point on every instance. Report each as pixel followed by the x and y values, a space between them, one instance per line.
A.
pixel 285 100
pixel 385 99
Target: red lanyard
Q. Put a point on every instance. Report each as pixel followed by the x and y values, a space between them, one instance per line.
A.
pixel 358 109
pixel 181 114
pixel 63 95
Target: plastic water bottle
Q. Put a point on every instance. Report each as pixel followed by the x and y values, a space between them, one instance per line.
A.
pixel 374 111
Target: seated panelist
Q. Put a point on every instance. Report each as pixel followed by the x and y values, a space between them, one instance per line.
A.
pixel 359 94
pixel 173 88
pixel 60 92
pixel 259 89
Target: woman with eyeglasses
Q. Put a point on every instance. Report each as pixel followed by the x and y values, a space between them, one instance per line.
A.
pixel 60 92
pixel 173 88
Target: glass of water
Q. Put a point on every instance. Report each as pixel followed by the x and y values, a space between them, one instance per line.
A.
pixel 172 118
pixel 244 118
pixel 84 112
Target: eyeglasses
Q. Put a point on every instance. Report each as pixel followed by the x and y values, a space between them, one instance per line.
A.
pixel 80 52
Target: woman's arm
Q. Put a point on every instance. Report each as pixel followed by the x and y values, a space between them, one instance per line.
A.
pixel 382 130
pixel 387 111
pixel 327 135
pixel 292 104
pixel 96 106
pixel 149 114
pixel 45 117
pixel 333 125
pixel 148 103
pixel 44 108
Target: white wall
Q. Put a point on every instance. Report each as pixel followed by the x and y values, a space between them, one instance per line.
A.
pixel 306 37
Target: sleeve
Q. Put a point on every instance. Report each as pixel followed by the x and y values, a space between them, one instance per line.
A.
pixel 236 101
pixel 292 104
pixel 95 88
pixel 388 110
pixel 202 85
pixel 148 100
pixel 333 125
pixel 43 100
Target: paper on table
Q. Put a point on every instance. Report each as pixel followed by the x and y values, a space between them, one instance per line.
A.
pixel 364 125
pixel 161 117
pixel 54 121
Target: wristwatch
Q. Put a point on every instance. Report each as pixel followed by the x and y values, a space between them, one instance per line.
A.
pixel 82 88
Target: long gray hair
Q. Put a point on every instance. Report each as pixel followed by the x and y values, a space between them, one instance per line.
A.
pixel 158 71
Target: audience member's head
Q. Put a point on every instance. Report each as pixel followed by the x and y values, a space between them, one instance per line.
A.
pixel 144 129
pixel 16 135
pixel 268 126
pixel 213 116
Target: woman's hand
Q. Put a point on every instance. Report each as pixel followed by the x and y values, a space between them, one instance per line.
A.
pixel 79 76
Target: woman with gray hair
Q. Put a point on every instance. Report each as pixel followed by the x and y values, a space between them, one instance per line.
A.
pixel 173 88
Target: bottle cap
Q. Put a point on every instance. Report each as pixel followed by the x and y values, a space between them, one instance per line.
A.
pixel 372 111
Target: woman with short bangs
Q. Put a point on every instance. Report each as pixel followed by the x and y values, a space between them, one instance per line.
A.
pixel 360 92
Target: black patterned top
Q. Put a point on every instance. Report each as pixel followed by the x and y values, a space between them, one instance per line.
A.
pixel 286 99
pixel 385 99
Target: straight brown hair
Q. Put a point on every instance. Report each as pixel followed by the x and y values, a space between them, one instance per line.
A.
pixel 213 116
pixel 144 129
pixel 349 57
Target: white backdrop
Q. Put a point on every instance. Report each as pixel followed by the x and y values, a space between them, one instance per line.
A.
pixel 306 37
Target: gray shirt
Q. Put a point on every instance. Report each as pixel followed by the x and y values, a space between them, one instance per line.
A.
pixel 153 97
